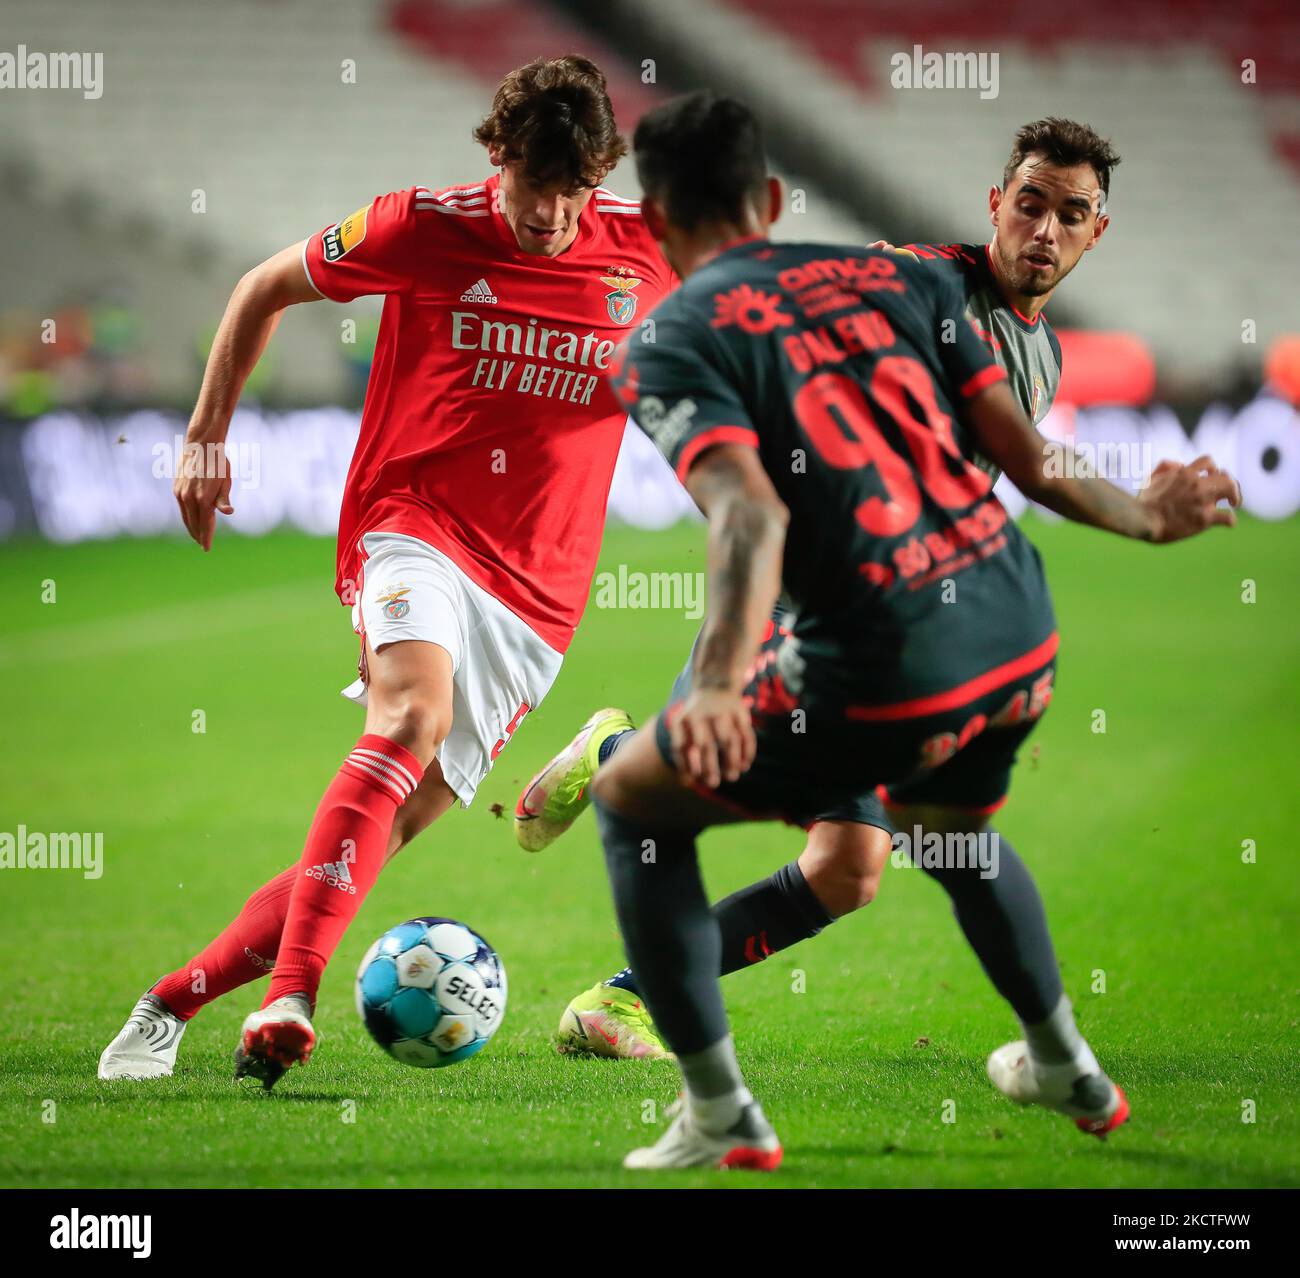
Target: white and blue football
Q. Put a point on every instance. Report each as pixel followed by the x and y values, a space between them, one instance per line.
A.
pixel 431 992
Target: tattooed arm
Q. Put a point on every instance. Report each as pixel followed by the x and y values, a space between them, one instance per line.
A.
pixel 1179 502
pixel 712 735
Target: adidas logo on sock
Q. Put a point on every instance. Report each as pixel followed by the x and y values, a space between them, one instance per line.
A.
pixel 479 292
pixel 334 874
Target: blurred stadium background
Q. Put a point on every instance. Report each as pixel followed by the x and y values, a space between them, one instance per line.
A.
pixel 224 132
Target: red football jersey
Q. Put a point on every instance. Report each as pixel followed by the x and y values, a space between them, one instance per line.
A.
pixel 489 430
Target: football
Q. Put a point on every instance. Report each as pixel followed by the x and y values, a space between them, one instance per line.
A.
pixel 431 991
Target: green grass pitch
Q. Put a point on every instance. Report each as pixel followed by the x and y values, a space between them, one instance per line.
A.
pixel 860 1043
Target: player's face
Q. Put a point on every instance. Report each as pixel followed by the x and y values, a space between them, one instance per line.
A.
pixel 1046 219
pixel 543 218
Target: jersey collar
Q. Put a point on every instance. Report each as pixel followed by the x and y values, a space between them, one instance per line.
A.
pixel 727 247
pixel 1029 325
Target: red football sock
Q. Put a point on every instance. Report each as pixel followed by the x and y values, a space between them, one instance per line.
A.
pixel 345 852
pixel 242 953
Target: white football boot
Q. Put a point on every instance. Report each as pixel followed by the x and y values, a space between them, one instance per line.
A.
pixel 749 1144
pixel 1078 1089
pixel 274 1039
pixel 145 1047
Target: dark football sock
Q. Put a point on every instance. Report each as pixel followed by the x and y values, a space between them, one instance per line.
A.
pixel 670 935
pixel 768 916
pixel 612 743
pixel 1003 919
pixel 759 920
pixel 624 980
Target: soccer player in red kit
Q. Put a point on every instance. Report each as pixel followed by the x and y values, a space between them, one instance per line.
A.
pixel 471 518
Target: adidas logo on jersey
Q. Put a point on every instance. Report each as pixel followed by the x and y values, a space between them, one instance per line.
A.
pixel 479 293
pixel 334 874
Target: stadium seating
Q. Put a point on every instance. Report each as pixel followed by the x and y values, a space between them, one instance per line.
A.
pixel 376 98
pixel 210 148
pixel 1196 248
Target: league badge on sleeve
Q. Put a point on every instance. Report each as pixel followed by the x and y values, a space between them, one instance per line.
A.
pixel 345 236
pixel 622 301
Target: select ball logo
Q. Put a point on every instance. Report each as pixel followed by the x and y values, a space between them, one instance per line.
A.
pixel 431 992
pixel 460 992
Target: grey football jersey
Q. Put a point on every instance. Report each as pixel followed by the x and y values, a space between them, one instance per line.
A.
pixel 1029 351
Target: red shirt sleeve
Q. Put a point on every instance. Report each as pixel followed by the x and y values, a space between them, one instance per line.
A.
pixel 370 251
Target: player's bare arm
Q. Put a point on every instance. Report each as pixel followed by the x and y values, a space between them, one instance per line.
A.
pixel 251 317
pixel 1180 502
pixel 712 736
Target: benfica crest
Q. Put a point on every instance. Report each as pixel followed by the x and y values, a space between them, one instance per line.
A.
pixel 396 605
pixel 622 301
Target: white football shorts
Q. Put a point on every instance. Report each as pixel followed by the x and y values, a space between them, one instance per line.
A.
pixel 501 668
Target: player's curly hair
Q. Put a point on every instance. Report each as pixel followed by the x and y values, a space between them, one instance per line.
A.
pixel 554 117
pixel 1063 142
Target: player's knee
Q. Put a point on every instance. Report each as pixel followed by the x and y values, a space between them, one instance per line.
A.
pixel 862 888
pixel 843 889
pixel 620 791
pixel 607 787
pixel 843 863
pixel 417 723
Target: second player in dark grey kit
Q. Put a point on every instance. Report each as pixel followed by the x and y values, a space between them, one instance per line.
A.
pixel 822 404
pixel 1048 212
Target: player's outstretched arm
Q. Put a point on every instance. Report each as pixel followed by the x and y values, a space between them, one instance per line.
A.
pixel 1180 501
pixel 712 736
pixel 203 485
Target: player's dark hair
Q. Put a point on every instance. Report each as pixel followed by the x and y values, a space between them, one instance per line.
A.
pixel 554 117
pixel 702 158
pixel 1062 142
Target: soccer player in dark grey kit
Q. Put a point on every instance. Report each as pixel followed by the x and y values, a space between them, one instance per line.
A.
pixel 1048 211
pixel 863 364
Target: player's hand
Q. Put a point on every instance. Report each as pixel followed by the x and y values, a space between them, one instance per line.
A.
pixel 713 737
pixel 201 488
pixel 1183 500
pixel 893 248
